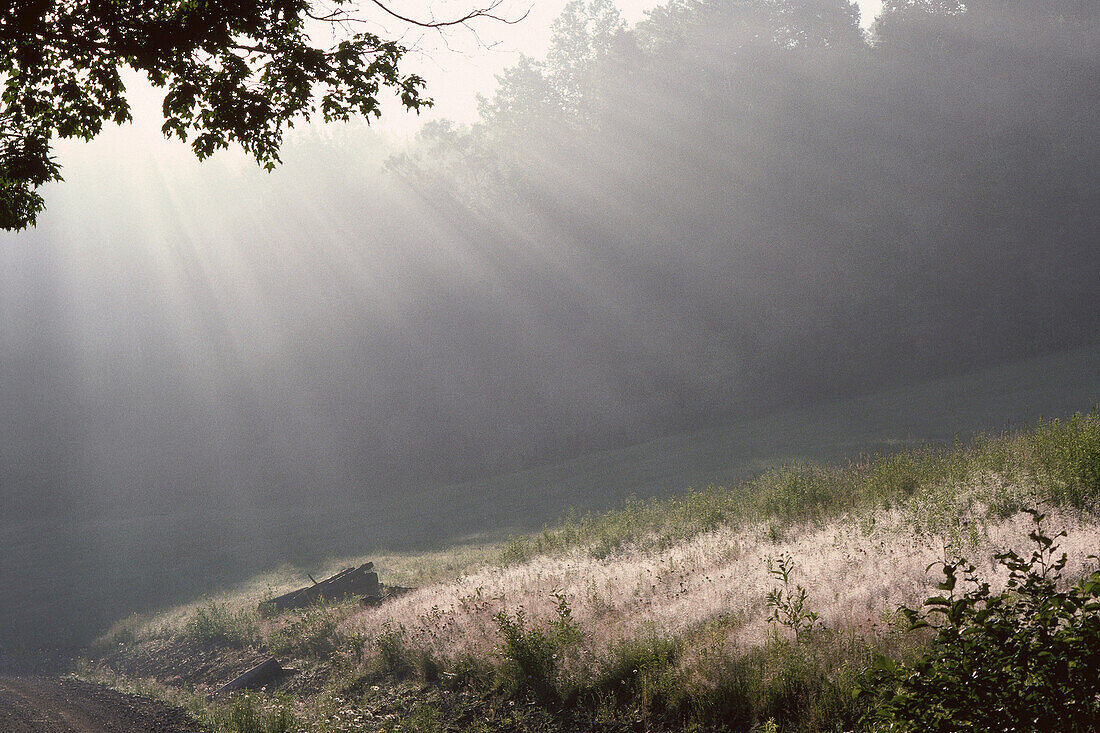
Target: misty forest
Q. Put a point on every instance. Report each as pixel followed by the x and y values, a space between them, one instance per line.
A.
pixel 667 387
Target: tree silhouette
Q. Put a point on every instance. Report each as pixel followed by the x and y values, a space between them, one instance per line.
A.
pixel 235 72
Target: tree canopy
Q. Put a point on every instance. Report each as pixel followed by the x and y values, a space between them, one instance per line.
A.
pixel 761 188
pixel 234 72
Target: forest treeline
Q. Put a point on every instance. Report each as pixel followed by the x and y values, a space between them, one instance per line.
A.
pixel 743 203
pixel 733 208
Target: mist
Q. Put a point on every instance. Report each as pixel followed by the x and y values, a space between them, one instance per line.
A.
pixel 728 210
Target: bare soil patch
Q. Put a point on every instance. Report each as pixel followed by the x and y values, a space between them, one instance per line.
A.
pixel 35 704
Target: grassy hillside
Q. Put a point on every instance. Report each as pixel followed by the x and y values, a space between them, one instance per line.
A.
pixel 934 411
pixel 140 562
pixel 760 605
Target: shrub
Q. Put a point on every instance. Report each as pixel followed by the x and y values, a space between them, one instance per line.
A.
pixel 1025 659
pixel 797 491
pixel 802 686
pixel 532 654
pixel 215 625
pixel 395 657
pixel 1067 456
pixel 640 669
pixel 421 719
pixel 245 715
pixel 313 633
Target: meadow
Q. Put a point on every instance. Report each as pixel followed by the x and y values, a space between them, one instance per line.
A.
pixel 139 562
pixel 766 604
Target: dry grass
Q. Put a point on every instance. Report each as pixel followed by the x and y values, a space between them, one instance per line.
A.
pixel 857 573
pixel 667 602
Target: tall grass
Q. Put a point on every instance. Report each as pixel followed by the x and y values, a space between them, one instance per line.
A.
pixel 760 604
pixel 1056 462
pixel 215 624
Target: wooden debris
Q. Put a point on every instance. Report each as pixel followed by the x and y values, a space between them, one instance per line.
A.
pixel 348 582
pixel 262 674
pixel 385 592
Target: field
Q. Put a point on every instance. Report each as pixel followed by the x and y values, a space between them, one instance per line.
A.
pixel 764 604
pixel 73 579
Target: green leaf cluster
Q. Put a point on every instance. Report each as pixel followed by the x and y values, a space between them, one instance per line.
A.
pixel 532 653
pixel 1024 659
pixel 788 604
pixel 216 625
pixel 234 73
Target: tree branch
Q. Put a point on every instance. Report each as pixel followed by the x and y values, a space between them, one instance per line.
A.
pixel 487 12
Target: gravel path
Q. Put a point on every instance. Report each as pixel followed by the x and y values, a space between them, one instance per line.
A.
pixel 31 704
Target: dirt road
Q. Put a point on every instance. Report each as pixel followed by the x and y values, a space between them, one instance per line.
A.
pixel 30 704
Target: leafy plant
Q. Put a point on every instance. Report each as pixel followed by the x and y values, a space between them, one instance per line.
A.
pixel 788 606
pixel 215 624
pixel 1067 457
pixel 531 653
pixel 246 713
pixel 1024 659
pixel 421 719
pixel 312 633
pixel 394 655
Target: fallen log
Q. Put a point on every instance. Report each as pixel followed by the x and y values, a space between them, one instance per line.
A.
pixel 348 582
pixel 264 673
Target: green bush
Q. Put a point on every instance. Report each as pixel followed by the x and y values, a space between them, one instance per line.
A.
pixel 312 633
pixel 793 684
pixel 421 719
pixel 394 653
pixel 1067 457
pixel 532 654
pixel 1025 659
pixel 804 687
pixel 215 624
pixel 641 670
pixel 796 491
pixel 245 715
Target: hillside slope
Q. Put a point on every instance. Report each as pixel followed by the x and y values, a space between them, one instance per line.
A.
pixel 121 560
pixel 765 602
